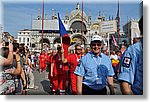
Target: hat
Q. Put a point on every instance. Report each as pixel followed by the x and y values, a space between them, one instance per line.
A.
pixel 136 35
pixel 96 38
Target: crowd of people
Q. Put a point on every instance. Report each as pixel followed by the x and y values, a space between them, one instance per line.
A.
pixel 16 74
pixel 85 71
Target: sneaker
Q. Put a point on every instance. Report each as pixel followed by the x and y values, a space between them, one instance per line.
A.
pixel 35 87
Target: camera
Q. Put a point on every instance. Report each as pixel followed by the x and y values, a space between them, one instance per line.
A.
pixel 6 43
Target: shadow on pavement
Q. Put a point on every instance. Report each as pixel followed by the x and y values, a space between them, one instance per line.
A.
pixel 46 86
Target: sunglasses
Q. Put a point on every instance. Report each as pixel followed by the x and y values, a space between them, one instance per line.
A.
pixel 78 49
pixel 98 44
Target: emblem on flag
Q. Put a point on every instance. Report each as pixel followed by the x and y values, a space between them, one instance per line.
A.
pixel 126 62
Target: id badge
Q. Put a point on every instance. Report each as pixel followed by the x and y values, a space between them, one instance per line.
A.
pixel 98 80
pixel 60 65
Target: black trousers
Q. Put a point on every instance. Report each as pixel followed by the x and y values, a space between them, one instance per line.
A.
pixel 86 90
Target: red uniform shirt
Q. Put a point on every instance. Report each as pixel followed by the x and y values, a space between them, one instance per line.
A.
pixel 49 58
pixel 42 59
pixel 73 61
pixel 57 64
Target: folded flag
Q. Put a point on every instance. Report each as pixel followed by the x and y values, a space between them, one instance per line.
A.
pixel 114 40
pixel 72 42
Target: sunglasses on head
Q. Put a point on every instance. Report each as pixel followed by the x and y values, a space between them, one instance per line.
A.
pixel 98 44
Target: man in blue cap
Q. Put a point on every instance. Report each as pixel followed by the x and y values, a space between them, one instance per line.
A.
pixel 94 71
pixel 131 73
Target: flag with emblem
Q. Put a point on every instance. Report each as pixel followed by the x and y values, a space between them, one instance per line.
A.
pixel 65 37
pixel 126 62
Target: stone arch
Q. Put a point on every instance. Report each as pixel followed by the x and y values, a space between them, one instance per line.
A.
pixel 76 26
pixel 45 40
pixel 76 21
pixel 56 40
pixel 79 38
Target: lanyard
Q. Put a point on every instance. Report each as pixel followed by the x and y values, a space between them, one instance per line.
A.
pixel 97 62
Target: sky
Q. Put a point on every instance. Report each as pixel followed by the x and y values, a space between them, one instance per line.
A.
pixel 17 14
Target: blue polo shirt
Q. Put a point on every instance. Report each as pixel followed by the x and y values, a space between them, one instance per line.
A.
pixel 132 67
pixel 90 67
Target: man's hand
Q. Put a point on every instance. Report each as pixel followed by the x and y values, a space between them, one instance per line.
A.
pixel 51 74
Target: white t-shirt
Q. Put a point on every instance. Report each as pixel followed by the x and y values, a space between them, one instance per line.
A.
pixel 32 59
pixel 114 57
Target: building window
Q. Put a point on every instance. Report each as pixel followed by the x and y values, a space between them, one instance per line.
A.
pixel 27 39
pixel 19 39
pixel 24 40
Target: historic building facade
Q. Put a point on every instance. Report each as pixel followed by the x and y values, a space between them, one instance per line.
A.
pixel 130 28
pixel 73 24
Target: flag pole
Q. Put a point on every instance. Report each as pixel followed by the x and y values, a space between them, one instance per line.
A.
pixel 42 23
pixel 61 43
pixel 82 23
pixel 108 44
pixel 118 25
pixel 60 37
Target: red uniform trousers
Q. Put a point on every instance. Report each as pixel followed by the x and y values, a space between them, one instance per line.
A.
pixel 73 60
pixel 59 74
pixel 59 82
pixel 62 81
pixel 73 79
pixel 54 82
pixel 42 65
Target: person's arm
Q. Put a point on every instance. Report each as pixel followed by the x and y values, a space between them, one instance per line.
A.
pixel 18 70
pixel 30 64
pixel 26 62
pixel 126 75
pixel 9 59
pixel 64 60
pixel 125 88
pixel 111 85
pixel 23 77
pixel 52 67
pixel 79 85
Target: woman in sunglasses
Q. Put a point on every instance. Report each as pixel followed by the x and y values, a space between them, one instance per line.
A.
pixel 94 71
pixel 73 60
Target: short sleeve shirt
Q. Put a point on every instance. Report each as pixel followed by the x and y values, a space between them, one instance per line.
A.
pixel 132 67
pixel 87 68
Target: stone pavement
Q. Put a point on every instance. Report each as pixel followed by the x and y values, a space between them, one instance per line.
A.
pixel 42 84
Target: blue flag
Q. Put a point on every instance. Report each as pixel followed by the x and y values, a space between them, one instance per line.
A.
pixel 62 27
pixel 65 37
